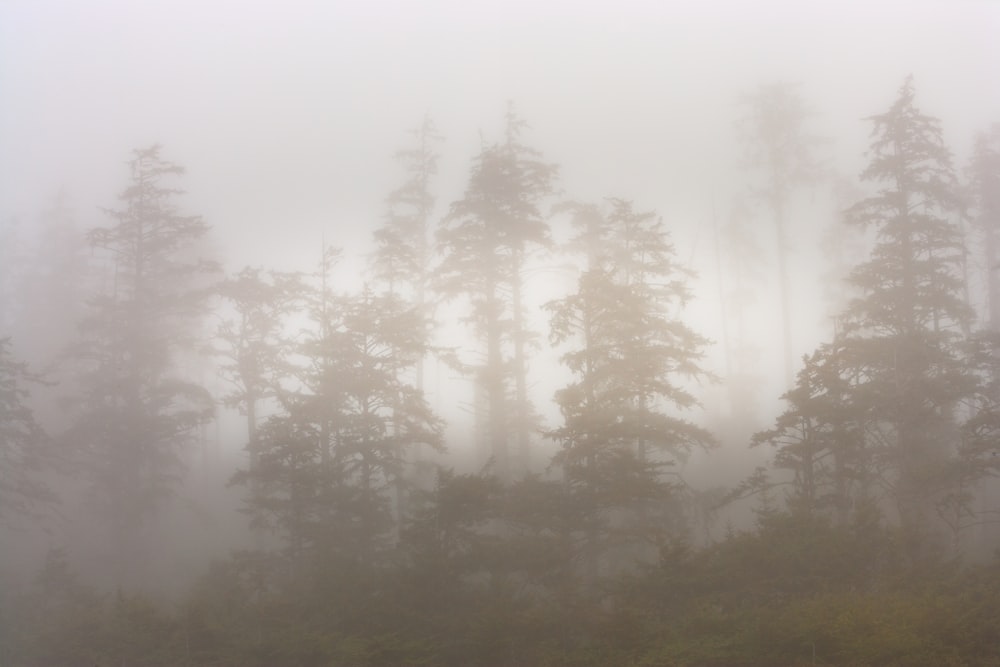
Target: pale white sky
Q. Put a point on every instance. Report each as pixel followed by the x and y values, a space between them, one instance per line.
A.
pixel 286 113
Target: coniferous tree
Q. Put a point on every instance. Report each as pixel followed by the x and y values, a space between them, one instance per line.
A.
pixel 744 262
pixel 49 301
pixel 907 324
pixel 255 346
pixel 51 288
pixel 981 432
pixel 779 147
pixel 819 438
pixel 137 412
pixel 485 240
pixel 532 181
pixel 25 451
pixel 402 262
pixel 888 403
pixel 385 416
pixel 984 176
pixel 291 473
pixel 621 434
pixel 474 266
pixel 11 261
pixel 328 463
pixel 402 259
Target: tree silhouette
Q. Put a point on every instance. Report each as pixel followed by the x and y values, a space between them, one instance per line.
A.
pixel 26 453
pixel 137 412
pixel 484 241
pixel 620 434
pixel 781 150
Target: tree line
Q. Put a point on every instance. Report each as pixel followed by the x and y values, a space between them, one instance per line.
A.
pixel 372 554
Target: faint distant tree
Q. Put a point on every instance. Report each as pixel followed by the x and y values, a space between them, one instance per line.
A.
pixel 25 450
pixel 484 241
pixel 981 432
pixel 46 279
pixel 136 412
pixel 402 262
pixel 52 286
pixel 402 259
pixel 11 261
pixel 779 148
pixel 983 173
pixel 621 433
pixel 743 262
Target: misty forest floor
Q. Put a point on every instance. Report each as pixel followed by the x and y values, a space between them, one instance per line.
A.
pixel 796 591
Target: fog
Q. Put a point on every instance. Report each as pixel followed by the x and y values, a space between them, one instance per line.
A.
pixel 292 113
pixel 287 119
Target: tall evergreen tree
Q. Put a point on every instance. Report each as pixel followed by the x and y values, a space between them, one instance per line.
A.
pixel 485 240
pixel 889 402
pixel 532 181
pixel 621 431
pixel 911 316
pixel 402 262
pixel 137 412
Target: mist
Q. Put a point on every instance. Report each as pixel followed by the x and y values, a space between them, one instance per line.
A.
pixel 521 333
